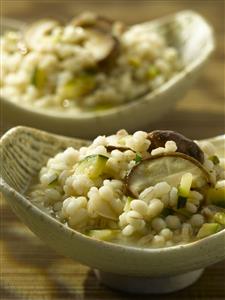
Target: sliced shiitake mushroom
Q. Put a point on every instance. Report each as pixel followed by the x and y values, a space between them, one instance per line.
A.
pixel 91 19
pixel 158 138
pixel 168 167
pixel 101 42
pixel 103 46
pixel 38 31
pixel 110 148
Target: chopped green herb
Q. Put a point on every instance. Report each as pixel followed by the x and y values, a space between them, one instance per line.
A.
pixel 138 158
pixel 214 159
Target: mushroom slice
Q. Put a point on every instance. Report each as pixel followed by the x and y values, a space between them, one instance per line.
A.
pixel 158 138
pixel 110 148
pixel 37 31
pixel 168 167
pixel 90 19
pixel 103 46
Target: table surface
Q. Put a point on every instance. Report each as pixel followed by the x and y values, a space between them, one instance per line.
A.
pixel 29 269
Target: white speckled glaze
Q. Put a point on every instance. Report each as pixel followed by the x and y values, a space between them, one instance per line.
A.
pixel 25 150
pixel 193 37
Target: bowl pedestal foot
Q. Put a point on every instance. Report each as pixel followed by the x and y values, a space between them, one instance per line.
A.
pixel 148 285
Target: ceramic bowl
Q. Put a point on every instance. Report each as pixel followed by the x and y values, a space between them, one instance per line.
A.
pixel 186 31
pixel 139 270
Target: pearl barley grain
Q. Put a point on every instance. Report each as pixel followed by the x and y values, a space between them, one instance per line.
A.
pixel 139 206
pixel 197 220
pixel 166 233
pixel 191 207
pixel 158 241
pixel 158 224
pixel 128 230
pixel 173 222
pixel 155 207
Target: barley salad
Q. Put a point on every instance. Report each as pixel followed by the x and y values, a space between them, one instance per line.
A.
pixel 156 189
pixel 90 63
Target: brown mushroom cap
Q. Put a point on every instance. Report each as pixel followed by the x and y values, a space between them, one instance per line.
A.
pixel 103 43
pixel 91 19
pixel 110 148
pixel 168 167
pixel 103 46
pixel 100 42
pixel 158 138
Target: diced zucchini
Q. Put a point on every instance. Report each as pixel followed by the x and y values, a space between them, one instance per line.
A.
pixel 208 229
pixel 184 189
pixel 153 71
pixel 103 234
pixel 134 61
pixel 93 166
pixel 214 159
pixel 216 196
pixel 69 90
pixel 79 86
pixel 127 204
pixel 219 217
pixel 102 106
pixel 39 78
pixel 185 185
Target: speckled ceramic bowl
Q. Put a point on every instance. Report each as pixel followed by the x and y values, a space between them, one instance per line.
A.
pixel 139 270
pixel 188 32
